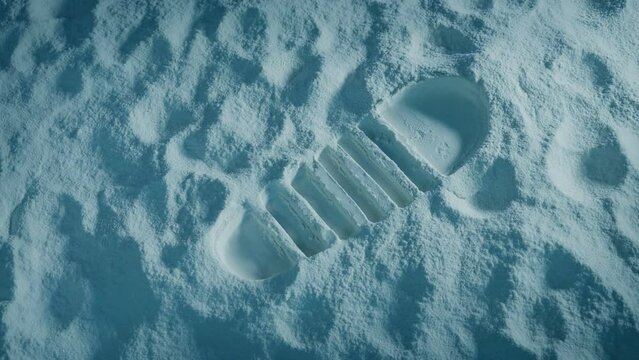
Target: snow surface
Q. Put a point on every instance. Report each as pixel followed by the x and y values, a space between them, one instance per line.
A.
pixel 319 179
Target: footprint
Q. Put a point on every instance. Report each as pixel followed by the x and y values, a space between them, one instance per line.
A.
pixel 304 228
pixel 246 242
pixel 445 119
pixel 369 172
pixel 389 142
pixel 329 200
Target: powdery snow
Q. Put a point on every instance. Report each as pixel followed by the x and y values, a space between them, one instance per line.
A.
pixel 319 179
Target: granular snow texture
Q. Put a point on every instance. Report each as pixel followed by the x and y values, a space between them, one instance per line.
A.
pixel 419 179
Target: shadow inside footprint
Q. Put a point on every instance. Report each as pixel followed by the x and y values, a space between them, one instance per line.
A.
pixel 249 247
pixel 444 119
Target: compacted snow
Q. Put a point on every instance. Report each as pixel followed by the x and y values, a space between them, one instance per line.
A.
pixel 424 179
